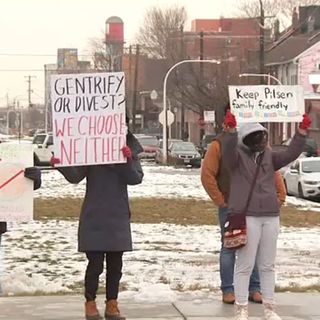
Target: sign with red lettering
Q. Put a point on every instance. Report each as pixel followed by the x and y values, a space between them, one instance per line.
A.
pixel 16 191
pixel 88 111
pixel 279 103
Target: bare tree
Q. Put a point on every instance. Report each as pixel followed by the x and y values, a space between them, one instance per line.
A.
pixel 189 86
pixel 158 34
pixel 101 54
pixel 274 9
pixel 287 6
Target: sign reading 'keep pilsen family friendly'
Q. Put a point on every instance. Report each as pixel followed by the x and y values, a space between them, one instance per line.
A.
pixel 267 103
pixel 89 125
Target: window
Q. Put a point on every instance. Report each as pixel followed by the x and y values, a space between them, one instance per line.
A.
pixel 311 166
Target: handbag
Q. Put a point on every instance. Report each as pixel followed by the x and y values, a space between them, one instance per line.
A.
pixel 235 229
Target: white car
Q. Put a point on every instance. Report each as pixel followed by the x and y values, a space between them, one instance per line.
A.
pixel 302 178
pixel 43 146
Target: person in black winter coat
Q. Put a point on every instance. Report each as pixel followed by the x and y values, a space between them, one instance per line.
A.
pixel 104 227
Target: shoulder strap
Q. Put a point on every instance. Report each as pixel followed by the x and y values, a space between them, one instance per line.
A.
pixel 253 182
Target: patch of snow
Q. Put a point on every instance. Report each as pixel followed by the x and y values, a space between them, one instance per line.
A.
pixel 168 260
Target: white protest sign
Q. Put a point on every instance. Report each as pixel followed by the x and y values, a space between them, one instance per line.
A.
pixel 88 112
pixel 16 191
pixel 267 103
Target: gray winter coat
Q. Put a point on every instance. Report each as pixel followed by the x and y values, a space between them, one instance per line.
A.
pixel 105 215
pixel 240 161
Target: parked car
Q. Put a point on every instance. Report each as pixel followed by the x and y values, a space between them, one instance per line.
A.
pixel 311 147
pixel 150 145
pixel 159 152
pixel 43 146
pixel 302 178
pixel 204 143
pixel 184 153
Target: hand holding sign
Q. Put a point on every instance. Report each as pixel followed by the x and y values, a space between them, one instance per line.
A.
pixel 305 123
pixel 230 120
pixel 54 160
pixel 127 152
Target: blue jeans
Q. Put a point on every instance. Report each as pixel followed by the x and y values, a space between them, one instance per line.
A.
pixel 227 262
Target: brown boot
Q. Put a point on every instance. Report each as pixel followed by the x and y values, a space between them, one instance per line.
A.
pixel 112 311
pixel 255 297
pixel 91 311
pixel 228 297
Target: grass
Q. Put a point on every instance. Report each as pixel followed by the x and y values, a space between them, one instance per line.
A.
pixel 176 211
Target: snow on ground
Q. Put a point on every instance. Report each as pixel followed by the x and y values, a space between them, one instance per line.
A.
pixel 168 260
pixel 158 181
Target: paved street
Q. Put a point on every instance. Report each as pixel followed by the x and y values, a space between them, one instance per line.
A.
pixel 291 306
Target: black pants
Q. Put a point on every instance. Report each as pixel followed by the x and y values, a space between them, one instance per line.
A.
pixel 95 268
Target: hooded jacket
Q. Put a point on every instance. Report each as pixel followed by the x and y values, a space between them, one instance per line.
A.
pixel 242 164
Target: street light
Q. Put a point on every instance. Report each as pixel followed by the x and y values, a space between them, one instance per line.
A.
pixel 260 75
pixel 165 122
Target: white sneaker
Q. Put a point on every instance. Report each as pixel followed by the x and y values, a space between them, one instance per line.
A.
pixel 241 312
pixel 269 312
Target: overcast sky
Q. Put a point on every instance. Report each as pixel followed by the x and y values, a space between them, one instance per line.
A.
pixel 39 27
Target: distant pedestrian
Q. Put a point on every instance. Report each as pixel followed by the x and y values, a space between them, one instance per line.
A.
pixel 215 179
pixel 104 227
pixel 262 216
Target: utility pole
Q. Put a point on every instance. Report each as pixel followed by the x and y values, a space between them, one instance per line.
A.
pixel 261 49
pixel 135 88
pixel 182 133
pixel 29 89
pixel 201 77
pixel 130 98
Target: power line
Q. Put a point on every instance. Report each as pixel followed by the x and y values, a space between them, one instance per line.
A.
pixel 22 70
pixel 36 54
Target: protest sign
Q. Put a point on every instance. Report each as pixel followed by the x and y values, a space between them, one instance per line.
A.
pixel 267 103
pixel 16 191
pixel 88 112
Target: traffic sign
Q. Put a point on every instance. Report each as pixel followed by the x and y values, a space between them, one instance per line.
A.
pixel 170 117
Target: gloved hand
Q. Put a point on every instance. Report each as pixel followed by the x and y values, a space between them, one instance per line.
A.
pixel 127 152
pixel 32 173
pixel 54 160
pixel 305 123
pixel 230 120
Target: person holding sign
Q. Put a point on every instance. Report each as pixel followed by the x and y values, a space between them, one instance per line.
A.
pixel 215 179
pixel 104 226
pixel 261 219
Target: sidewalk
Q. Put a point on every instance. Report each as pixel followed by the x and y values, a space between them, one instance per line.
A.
pixel 291 306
